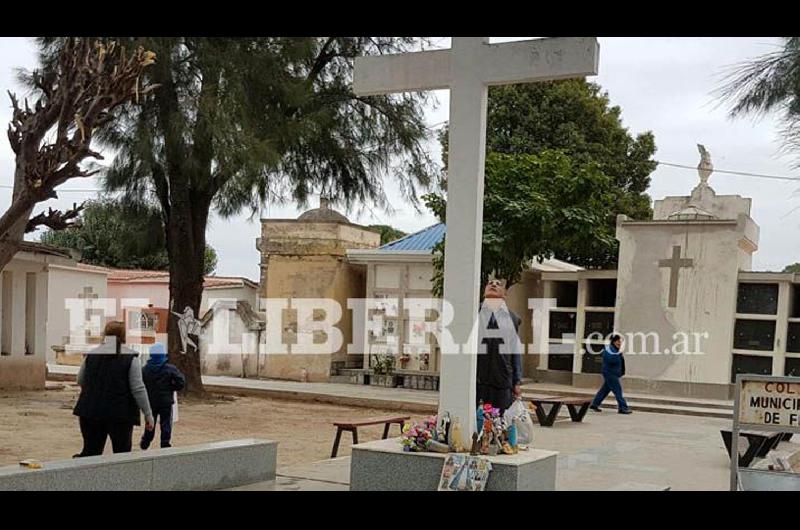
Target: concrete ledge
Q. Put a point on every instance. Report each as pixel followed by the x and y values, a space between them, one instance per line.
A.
pixel 210 466
pixel 383 466
pixel 344 400
pixel 765 480
pixel 637 384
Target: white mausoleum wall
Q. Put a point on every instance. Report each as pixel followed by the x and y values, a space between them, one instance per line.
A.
pixel 706 297
pixel 65 283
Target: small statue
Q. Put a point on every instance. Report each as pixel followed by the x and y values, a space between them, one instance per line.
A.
pixel 443 428
pixel 485 444
pixel 512 433
pixel 455 437
pixel 706 167
pixel 475 450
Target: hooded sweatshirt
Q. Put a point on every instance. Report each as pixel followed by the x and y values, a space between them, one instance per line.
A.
pixel 161 378
pixel 613 362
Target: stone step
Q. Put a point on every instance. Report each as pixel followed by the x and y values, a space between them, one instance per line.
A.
pixel 712 408
pixel 611 408
pixel 672 409
pixel 536 389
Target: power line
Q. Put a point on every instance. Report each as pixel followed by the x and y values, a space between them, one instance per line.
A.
pixel 741 173
pixel 6 186
pixel 9 187
pixel 660 163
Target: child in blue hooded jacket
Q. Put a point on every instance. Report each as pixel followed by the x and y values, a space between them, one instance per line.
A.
pixel 613 370
pixel 162 381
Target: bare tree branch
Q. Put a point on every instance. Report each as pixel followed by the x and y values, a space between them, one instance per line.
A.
pixel 76 95
pixel 55 219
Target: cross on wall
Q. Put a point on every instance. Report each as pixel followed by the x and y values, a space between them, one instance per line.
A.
pixel 88 295
pixel 675 264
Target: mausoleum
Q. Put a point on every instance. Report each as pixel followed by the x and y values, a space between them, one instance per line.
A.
pixel 685 297
pixel 306 258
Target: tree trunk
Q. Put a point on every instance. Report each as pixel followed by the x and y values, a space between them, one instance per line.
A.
pixel 10 239
pixel 186 243
pixel 14 221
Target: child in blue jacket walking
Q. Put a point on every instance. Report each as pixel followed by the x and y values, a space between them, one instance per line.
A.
pixel 613 370
pixel 162 381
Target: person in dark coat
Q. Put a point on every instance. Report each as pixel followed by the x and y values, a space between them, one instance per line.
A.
pixel 613 370
pixel 112 394
pixel 499 349
pixel 162 381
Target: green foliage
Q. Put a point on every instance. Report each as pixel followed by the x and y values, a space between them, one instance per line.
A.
pixel 252 120
pixel 576 117
pixel 794 267
pixel 565 129
pixel 768 83
pixel 210 260
pixel 238 122
pixel 537 206
pixel 120 234
pixel 388 233
pixel 383 364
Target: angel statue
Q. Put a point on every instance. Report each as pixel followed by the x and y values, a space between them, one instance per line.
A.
pixel 187 325
pixel 705 168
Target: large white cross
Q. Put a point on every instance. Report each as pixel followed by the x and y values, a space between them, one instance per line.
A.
pixel 467 70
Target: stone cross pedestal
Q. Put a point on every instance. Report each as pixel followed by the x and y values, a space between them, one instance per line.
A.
pixel 383 466
pixel 467 70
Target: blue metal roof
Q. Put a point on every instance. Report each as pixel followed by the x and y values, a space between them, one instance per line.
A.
pixel 425 239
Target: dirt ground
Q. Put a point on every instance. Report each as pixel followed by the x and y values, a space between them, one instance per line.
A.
pixel 40 425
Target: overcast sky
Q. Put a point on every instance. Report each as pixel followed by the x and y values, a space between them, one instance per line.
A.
pixel 662 84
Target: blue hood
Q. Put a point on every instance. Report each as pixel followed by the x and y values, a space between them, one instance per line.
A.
pixel 158 356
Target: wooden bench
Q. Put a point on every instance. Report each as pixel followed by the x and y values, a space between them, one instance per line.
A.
pixel 577 407
pixel 759 443
pixel 352 427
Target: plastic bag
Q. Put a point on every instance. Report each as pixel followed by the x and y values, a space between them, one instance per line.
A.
pixel 517 412
pixel 175 408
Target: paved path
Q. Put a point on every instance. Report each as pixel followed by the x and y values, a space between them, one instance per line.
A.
pixel 608 451
pixel 421 401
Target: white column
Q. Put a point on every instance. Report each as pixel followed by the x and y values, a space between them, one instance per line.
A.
pixel 40 343
pixel 18 313
pixel 580 325
pixel 542 338
pixel 462 259
pixel 781 329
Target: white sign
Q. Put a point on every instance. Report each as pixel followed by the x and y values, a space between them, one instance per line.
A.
pixel 770 403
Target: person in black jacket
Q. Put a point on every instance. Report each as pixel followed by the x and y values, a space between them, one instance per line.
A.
pixel 499 349
pixel 162 381
pixel 112 394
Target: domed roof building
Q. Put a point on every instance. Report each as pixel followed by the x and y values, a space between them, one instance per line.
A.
pixel 306 258
pixel 323 214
